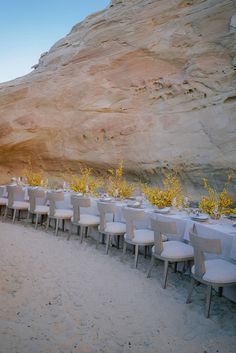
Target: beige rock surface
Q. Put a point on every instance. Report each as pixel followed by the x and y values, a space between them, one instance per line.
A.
pixel 150 82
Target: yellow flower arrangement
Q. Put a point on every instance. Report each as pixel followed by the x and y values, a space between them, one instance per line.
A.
pixel 117 185
pixel 216 203
pixel 85 182
pixel 32 178
pixel 172 191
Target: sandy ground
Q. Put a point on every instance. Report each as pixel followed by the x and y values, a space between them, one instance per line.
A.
pixel 63 297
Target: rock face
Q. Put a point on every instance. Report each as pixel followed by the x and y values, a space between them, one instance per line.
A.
pixel 151 82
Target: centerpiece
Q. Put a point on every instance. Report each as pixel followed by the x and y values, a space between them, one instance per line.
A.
pixel 170 195
pixel 216 204
pixel 32 178
pixel 116 185
pixel 85 182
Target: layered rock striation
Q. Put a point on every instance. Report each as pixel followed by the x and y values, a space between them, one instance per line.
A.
pixel 151 82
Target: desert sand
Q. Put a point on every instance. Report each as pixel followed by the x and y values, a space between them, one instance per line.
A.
pixel 59 296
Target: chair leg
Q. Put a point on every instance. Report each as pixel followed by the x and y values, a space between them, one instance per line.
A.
pixel 145 251
pixel 57 225
pixel 81 234
pixel 136 256
pixel 186 267
pixel 166 267
pixel 151 266
pixel 108 243
pixel 14 215
pixel 98 240
pixel 46 218
pixel 124 249
pixel 190 290
pixel 118 241
pixel 70 231
pixel 208 301
pixel 5 214
pixel 37 220
pixel 3 211
pixel 48 223
pixel 27 218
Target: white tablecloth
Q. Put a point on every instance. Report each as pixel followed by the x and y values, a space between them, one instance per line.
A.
pixel 222 229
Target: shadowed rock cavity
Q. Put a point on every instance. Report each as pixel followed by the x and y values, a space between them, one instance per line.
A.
pixel 150 82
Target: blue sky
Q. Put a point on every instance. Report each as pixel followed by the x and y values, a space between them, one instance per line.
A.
pixel 30 27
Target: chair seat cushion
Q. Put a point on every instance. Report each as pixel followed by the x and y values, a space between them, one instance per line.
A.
pixel 176 250
pixel 89 220
pixel 63 213
pixel 40 209
pixel 3 201
pixel 141 236
pixel 219 271
pixel 115 228
pixel 20 205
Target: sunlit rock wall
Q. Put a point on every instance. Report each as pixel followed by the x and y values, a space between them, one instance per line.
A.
pixel 150 82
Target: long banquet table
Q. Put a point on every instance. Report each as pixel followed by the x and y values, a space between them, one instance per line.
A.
pixel 222 229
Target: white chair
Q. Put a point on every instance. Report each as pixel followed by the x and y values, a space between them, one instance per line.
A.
pixel 216 272
pixel 37 201
pixel 172 251
pixel 82 220
pixel 3 200
pixel 59 214
pixel 110 228
pixel 133 236
pixel 16 201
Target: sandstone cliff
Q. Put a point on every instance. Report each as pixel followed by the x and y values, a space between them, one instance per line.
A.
pixel 151 82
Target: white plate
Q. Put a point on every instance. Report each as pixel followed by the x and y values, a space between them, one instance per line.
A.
pixel 200 218
pixel 134 205
pixel 232 215
pixel 106 199
pixel 162 210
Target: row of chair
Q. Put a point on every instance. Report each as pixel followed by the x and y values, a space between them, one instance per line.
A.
pixel 214 273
